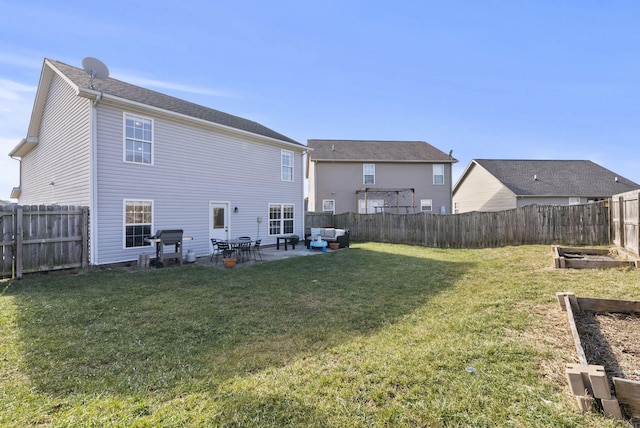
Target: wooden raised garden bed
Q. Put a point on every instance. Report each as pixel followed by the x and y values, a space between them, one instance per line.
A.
pixel 590 258
pixel 590 384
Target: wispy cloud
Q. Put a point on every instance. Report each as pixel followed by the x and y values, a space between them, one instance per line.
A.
pixel 14 91
pixel 159 84
pixel 32 62
pixel 16 101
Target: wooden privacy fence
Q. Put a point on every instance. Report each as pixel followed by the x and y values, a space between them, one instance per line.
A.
pixel 625 221
pixel 533 224
pixel 42 238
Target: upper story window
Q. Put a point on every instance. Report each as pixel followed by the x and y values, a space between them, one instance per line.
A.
pixel 438 174
pixel 287 165
pixel 138 141
pixel 369 173
pixel 138 223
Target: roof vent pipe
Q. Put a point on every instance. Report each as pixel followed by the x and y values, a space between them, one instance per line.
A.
pixel 535 177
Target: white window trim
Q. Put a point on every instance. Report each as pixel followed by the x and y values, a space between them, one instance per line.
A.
pixel 333 205
pixel 438 175
pixel 125 224
pixel 574 201
pixel 124 139
pixel 364 172
pixel 283 166
pixel 423 202
pixel 281 220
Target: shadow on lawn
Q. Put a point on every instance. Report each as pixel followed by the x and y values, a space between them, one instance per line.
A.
pixel 192 328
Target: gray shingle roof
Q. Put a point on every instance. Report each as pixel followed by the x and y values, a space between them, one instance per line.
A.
pixel 148 97
pixel 376 151
pixel 557 177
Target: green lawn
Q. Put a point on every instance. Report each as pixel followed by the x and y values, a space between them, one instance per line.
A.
pixel 376 335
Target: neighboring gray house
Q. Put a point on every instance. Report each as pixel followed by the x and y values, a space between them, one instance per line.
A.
pixel 495 185
pixel 144 161
pixel 374 176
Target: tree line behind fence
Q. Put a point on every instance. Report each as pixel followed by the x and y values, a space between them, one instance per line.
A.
pixel 533 224
pixel 42 238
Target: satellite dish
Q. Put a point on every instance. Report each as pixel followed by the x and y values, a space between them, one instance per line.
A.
pixel 95 68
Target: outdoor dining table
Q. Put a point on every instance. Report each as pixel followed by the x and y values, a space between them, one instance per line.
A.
pixel 236 244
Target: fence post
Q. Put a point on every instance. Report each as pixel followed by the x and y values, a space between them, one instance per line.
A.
pixel 637 222
pixel 621 221
pixel 18 240
pixel 85 237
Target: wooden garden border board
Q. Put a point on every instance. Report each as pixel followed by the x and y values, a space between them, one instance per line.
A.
pixel 562 262
pixel 587 382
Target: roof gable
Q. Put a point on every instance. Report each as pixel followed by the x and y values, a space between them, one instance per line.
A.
pixel 376 151
pixel 158 100
pixel 555 177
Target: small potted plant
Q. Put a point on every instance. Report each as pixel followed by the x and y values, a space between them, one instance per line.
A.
pixel 229 262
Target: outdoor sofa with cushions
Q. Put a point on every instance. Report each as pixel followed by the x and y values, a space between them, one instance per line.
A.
pixel 329 234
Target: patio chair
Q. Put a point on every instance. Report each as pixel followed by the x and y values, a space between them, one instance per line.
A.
pixel 256 251
pixel 216 250
pixel 223 248
pixel 244 248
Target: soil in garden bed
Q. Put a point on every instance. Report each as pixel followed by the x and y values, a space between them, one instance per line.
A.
pixel 613 341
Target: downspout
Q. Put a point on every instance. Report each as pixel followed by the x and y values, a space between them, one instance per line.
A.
pixel 93 177
pixel 98 99
pixel 19 170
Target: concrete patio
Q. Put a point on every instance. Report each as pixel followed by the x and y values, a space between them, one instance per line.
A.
pixel 269 253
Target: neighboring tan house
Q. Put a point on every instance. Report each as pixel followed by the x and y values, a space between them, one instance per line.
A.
pixel 144 161
pixel 378 176
pixel 495 184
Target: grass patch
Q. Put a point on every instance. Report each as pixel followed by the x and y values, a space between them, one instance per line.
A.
pixel 377 335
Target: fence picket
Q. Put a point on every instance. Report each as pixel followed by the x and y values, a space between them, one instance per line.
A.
pixel 532 224
pixel 39 238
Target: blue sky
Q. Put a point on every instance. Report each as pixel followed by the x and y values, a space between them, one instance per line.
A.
pixel 487 79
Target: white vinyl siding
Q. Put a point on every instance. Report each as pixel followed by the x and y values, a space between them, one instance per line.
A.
pixel 57 170
pixel 229 167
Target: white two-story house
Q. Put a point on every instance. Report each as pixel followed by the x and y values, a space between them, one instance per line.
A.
pixel 143 161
